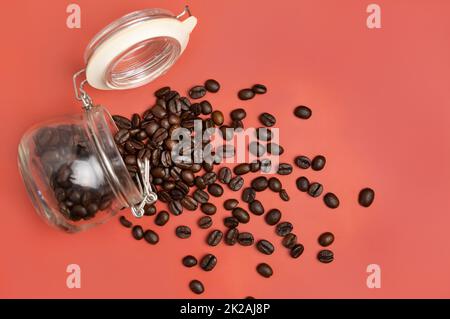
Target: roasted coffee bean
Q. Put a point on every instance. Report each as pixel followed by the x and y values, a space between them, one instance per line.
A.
pixel 151 127
pixel 227 132
pixel 209 178
pixel 135 120
pixel 231 236
pixel 77 211
pixel 208 208
pixel 137 232
pixel 318 163
pixel 238 114
pixel 200 182
pixel 331 200
pixel 241 215
pixel 259 89
pixel 125 222
pixel 260 183
pixel 242 169
pixel 325 256
pixel 245 239
pixel 284 169
pixel 265 247
pixel 206 107
pixel 256 207
pixel 229 204
pixel 289 241
pixel 215 190
pixel 208 167
pixel 159 136
pixel 302 162
pixel 231 222
pixel 315 189
pixel 208 262
pixel 159 111
pixel 283 228
pixel 214 237
pixel 196 287
pixel 302 184
pixel 248 195
pixel 297 250
pixel 175 207
pixel 130 160
pixel 175 192
pixel 149 210
pixel 197 92
pixel 122 136
pixel 162 92
pixel 224 175
pixel 246 94
pixel 366 197
pixel 217 117
pixel 174 107
pixel 183 232
pixel 284 195
pixel 326 239
pixel 162 218
pixel 275 184
pixel 255 166
pixel 189 261
pixel 267 119
pixel 273 216
pixel 189 203
pixel 303 112
pixel 266 165
pixel 212 86
pixel 201 196
pixel 122 122
pixel 205 222
pixel 187 176
pixel 275 149
pixel 236 183
pixel 264 134
pixel 151 237
pixel 256 149
pixel 264 270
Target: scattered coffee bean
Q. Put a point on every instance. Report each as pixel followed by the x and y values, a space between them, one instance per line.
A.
pixel 125 222
pixel 245 239
pixel 215 190
pixel 284 195
pixel 175 207
pixel 230 204
pixel 318 163
pixel 302 184
pixel 189 261
pixel 273 216
pixel 267 119
pixel 149 210
pixel 256 149
pixel 212 85
pixel 302 162
pixel 205 222
pixel 224 175
pixel 331 200
pixel 214 237
pixel 283 228
pixel 255 166
pixel 264 270
pixel 196 287
pixel 122 122
pixel 197 92
pixel 260 183
pixel 248 195
pixel 303 112
pixel 231 236
pixel 208 262
pixel 162 218
pixel 259 89
pixel 208 208
pixel 326 239
pixel 315 189
pixel 290 240
pixel 217 117
pixel 200 196
pixel 236 183
pixel 297 250
pixel 275 149
pixel 366 197
pixel 325 256
pixel 183 232
pixel 246 94
pixel 231 222
pixel 189 203
pixel 160 93
pixel 209 178
pixel 241 215
pixel 284 169
pixel 265 247
pixel 137 232
pixel 242 169
pixel 151 237
pixel 238 114
pixel 275 184
pixel 256 207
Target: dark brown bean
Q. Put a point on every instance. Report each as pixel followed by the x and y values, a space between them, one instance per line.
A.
pixel 241 215
pixel 212 85
pixel 183 232
pixel 273 216
pixel 326 239
pixel 214 237
pixel 246 94
pixel 264 270
pixel 275 184
pixel 302 184
pixel 325 256
pixel 283 228
pixel 318 163
pixel 297 250
pixel 196 287
pixel 245 239
pixel 366 197
pixel 224 175
pixel 230 204
pixel 205 222
pixel 236 183
pixel 231 236
pixel 265 247
pixel 215 190
pixel 260 183
pixel 162 218
pixel 125 222
pixel 151 237
pixel 259 89
pixel 315 189
pixel 256 207
pixel 302 112
pixel 137 232
pixel 248 195
pixel 189 261
pixel 230 222
pixel 208 208
pixel 267 119
pixel 331 200
pixel 289 241
pixel 197 92
pixel 208 262
pixel 242 169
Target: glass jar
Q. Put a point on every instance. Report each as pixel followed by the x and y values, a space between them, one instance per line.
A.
pixel 72 169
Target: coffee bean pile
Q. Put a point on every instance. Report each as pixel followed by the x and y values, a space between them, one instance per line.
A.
pixel 66 159
pixel 189 186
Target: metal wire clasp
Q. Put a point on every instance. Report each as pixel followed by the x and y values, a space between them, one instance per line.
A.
pixel 145 187
pixel 185 11
pixel 80 93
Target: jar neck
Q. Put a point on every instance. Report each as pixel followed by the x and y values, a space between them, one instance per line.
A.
pixel 101 128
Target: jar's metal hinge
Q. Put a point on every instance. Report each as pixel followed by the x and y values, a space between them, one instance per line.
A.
pixel 80 93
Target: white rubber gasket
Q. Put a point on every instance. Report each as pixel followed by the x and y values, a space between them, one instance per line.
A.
pixel 106 52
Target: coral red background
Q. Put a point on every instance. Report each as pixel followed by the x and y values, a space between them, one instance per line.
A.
pixel 381 117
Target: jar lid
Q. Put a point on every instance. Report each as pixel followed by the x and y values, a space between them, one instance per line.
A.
pixel 137 48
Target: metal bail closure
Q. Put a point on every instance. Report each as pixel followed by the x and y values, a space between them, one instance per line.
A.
pixel 145 187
